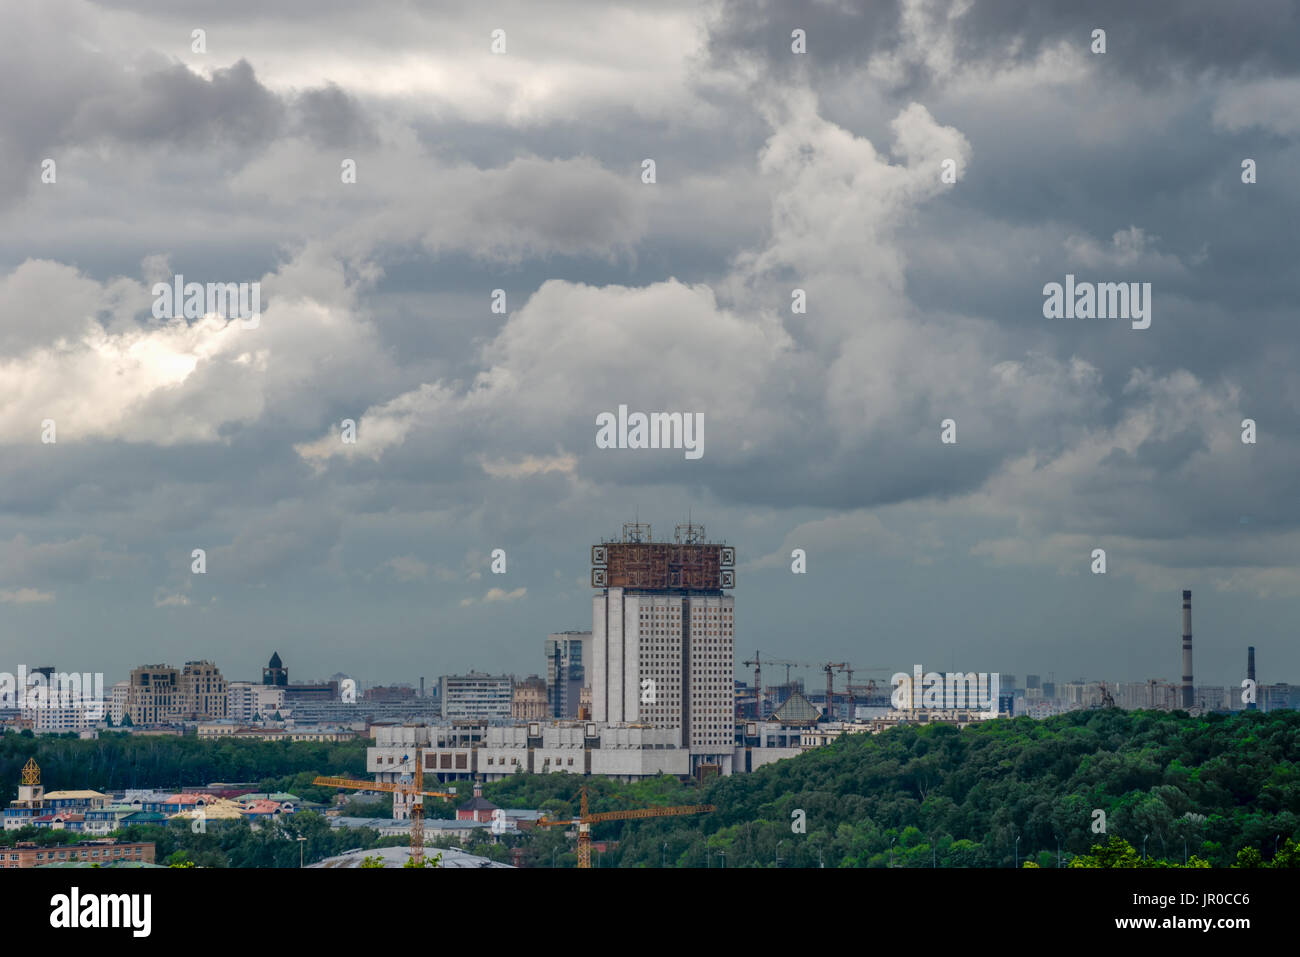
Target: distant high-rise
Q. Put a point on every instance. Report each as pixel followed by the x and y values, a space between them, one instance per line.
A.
pixel 663 640
pixel 1189 695
pixel 161 694
pixel 203 690
pixel 476 695
pixel 566 672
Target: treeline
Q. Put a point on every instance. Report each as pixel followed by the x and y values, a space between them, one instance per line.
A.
pixel 1001 793
pixel 118 760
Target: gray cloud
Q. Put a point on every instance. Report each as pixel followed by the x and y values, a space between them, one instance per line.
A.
pixel 522 173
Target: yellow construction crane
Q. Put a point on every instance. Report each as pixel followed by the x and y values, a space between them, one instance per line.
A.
pixel 414 791
pixel 585 819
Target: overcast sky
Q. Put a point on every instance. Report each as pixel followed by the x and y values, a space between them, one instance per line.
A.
pixel 522 171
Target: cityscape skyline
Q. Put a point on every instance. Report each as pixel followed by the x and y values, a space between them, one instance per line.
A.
pixel 401 676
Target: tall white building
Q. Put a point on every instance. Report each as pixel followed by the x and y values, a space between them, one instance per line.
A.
pixel 663 654
pixel 117 705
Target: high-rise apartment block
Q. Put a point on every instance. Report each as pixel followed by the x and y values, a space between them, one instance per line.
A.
pixel 153 695
pixel 161 694
pixel 476 696
pixel 663 638
pixel 203 690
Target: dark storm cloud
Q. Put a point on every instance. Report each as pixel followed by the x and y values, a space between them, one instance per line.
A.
pixel 1148 41
pixel 332 118
pixel 176 105
pixel 839 34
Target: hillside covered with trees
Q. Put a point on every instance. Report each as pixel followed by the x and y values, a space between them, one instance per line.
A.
pixel 1172 785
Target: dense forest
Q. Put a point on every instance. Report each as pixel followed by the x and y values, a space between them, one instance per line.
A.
pixel 1220 789
pixel 119 760
pixel 1001 793
pixel 1102 788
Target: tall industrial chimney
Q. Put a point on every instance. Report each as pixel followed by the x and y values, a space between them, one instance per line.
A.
pixel 1250 673
pixel 1189 695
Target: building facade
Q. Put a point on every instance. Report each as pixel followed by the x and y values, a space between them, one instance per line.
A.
pixel 530 700
pixel 247 702
pixel 566 673
pixel 154 695
pixel 203 690
pixel 663 639
pixel 102 852
pixel 475 695
pixel 117 703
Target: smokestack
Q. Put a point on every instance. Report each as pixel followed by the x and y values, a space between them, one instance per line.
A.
pixel 1188 692
pixel 1250 673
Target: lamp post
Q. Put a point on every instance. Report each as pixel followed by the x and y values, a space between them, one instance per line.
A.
pixel 663 855
pixel 724 859
pixel 553 852
pixel 1058 852
pixel 1144 846
pixel 301 840
pixel 1017 864
pixel 777 858
pixel 891 850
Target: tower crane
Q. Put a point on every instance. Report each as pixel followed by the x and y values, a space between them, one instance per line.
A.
pixel 851 689
pixel 830 668
pixel 414 791
pixel 585 819
pixel 757 663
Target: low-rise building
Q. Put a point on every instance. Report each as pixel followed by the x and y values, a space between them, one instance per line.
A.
pixel 235 732
pixel 54 809
pixel 102 852
pixel 478 808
